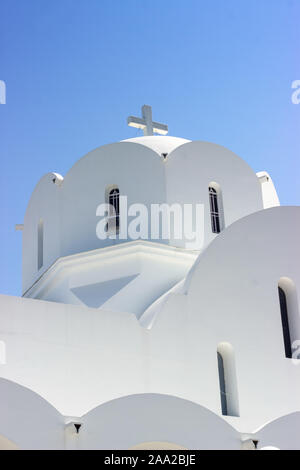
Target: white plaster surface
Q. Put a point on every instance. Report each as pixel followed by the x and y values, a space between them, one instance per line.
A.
pixel 113 331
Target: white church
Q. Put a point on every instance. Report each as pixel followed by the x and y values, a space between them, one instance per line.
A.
pixel 154 342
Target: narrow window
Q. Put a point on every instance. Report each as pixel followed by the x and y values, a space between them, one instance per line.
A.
pixel 40 247
pixel 113 219
pixel 285 323
pixel 222 384
pixel 227 380
pixel 288 303
pixel 216 207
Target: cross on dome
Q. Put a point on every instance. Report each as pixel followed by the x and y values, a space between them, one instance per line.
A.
pixel 146 123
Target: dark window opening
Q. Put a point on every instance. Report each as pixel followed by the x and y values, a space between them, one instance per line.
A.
pixel 285 322
pixel 222 384
pixel 214 210
pixel 114 210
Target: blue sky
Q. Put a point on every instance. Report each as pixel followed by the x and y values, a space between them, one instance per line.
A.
pixel 212 70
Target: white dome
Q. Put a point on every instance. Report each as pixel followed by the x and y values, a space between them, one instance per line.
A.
pixel 160 144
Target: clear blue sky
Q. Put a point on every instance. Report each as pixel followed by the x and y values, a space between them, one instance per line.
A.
pixel 215 70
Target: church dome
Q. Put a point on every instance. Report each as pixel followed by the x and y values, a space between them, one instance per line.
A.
pixel 160 144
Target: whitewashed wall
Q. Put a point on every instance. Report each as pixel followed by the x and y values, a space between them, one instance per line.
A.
pixel 193 166
pixel 30 422
pixel 126 277
pixel 44 203
pixel 69 209
pixel 27 421
pixel 231 296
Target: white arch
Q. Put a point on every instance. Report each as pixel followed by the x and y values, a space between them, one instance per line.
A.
pixel 27 421
pixel 281 433
pixel 145 419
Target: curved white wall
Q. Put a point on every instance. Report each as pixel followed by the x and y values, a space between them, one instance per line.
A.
pixel 126 277
pixel 68 209
pixel 155 417
pixel 44 204
pixel 135 169
pixel 27 421
pixel 156 422
pixel 192 167
pixel 231 296
pixel 30 422
pixel 281 434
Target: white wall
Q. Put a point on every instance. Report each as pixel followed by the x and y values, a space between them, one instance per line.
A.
pixel 231 297
pixel 147 421
pixel 44 203
pixel 136 419
pixel 135 169
pixel 282 433
pixel 269 193
pixel 127 277
pixel 69 209
pixel 27 421
pixel 193 166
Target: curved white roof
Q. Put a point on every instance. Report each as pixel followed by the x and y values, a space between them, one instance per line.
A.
pixel 160 144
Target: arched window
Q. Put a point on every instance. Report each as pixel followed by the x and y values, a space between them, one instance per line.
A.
pixel 113 199
pixel 216 207
pixel 289 313
pixel 227 380
pixel 40 244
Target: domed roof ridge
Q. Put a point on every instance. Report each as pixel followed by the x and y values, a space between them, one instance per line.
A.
pixel 160 144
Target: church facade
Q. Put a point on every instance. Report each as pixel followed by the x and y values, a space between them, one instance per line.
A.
pixel 152 340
